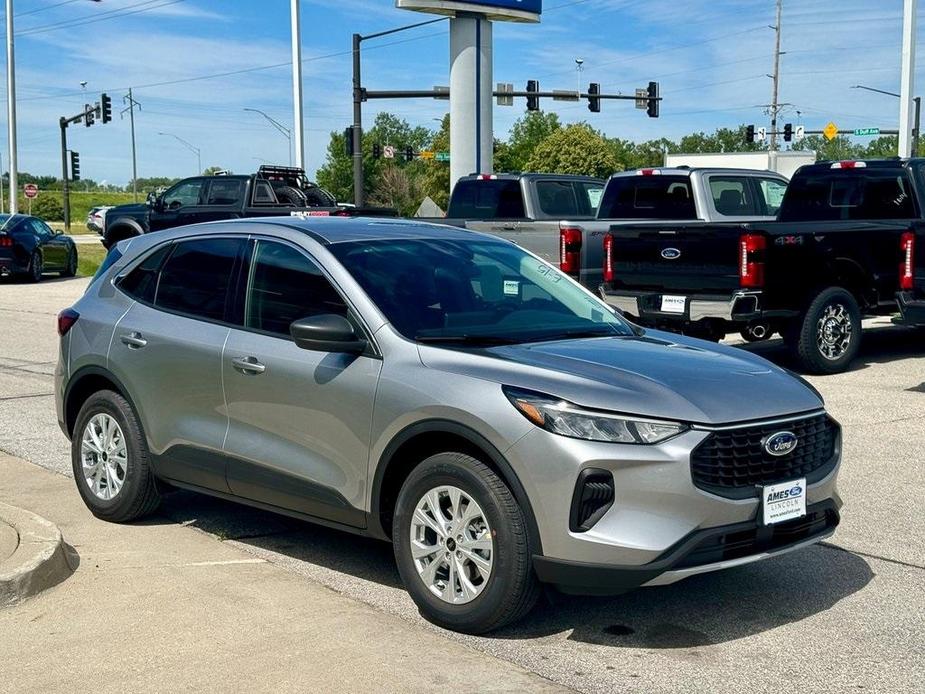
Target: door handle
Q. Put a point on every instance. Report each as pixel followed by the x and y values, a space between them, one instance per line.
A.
pixel 133 340
pixel 248 365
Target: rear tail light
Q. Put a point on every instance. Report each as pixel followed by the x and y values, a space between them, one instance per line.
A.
pixel 570 250
pixel 751 260
pixel 608 258
pixel 5 242
pixel 907 265
pixel 648 172
pixel 849 165
pixel 66 320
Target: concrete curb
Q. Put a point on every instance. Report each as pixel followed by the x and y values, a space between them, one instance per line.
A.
pixel 39 561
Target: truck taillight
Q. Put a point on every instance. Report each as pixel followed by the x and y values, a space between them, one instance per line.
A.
pixel 5 241
pixel 907 265
pixel 570 250
pixel 751 269
pixel 608 258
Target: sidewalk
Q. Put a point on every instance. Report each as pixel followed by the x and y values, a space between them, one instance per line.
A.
pixel 156 606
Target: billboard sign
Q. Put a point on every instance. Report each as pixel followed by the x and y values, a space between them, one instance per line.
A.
pixel 501 10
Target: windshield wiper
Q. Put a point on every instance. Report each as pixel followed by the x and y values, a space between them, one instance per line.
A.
pixel 467 339
pixel 579 333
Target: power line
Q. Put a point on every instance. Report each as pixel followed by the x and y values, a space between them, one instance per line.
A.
pixel 43 9
pixel 145 6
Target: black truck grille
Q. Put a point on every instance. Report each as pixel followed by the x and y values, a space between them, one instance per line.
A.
pixel 732 462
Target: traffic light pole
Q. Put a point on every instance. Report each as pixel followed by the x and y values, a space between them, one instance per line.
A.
pixel 65 193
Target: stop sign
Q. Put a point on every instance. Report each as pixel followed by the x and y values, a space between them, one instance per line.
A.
pixel 30 190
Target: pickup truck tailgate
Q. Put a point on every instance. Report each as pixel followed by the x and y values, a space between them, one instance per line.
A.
pixel 692 258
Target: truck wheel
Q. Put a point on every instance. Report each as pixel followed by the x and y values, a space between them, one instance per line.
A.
pixel 828 336
pixel 462 547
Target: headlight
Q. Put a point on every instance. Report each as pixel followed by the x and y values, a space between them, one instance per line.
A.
pixel 566 419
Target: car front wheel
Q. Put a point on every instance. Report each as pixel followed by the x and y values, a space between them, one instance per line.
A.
pixel 462 547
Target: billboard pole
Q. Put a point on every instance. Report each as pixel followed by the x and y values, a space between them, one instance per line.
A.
pixel 471 88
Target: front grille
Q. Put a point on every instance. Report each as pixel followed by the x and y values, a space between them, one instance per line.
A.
pixel 743 542
pixel 732 463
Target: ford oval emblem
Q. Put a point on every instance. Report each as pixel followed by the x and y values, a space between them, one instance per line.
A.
pixel 671 253
pixel 781 443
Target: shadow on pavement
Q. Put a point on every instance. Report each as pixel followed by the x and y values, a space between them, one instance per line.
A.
pixel 702 610
pixel 880 345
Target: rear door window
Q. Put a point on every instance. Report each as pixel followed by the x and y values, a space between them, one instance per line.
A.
pixel 732 196
pixel 648 197
pixel 285 286
pixel 557 198
pixel 196 279
pixel 225 191
pixel 487 199
pixel 770 194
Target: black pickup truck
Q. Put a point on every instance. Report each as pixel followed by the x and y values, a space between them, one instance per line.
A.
pixel 844 245
pixel 273 191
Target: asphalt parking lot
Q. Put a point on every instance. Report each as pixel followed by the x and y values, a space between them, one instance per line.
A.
pixel 844 616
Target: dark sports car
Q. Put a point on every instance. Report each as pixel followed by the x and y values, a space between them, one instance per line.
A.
pixel 29 247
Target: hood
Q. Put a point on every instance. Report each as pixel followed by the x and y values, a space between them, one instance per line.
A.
pixel 134 209
pixel 657 374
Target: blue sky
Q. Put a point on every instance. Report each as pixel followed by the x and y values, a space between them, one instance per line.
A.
pixel 710 56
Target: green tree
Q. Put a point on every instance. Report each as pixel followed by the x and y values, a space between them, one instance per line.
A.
pixel 574 149
pixel 397 187
pixel 213 170
pixel 835 149
pixel 47 207
pixel 436 183
pixel 652 152
pixel 526 134
pixel 886 146
pixel 720 140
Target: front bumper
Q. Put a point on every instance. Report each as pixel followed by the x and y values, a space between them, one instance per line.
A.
pixel 911 310
pixel 702 551
pixel 660 524
pixel 740 307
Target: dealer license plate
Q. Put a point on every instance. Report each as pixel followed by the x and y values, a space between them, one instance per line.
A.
pixel 784 501
pixel 673 304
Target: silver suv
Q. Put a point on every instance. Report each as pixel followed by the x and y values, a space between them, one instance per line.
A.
pixel 441 389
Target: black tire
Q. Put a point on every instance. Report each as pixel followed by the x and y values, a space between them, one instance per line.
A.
pixel 512 588
pixel 138 495
pixel 36 267
pixel 318 197
pixel 292 196
pixel 71 268
pixel 817 338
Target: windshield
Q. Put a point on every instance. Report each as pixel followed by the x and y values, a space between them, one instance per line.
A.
pixel 440 290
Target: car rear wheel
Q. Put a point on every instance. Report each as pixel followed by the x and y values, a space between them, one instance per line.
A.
pixel 462 547
pixel 36 267
pixel 828 336
pixel 109 457
pixel 70 269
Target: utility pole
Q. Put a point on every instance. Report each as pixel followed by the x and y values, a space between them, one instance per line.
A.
pixel 357 131
pixel 131 117
pixel 297 86
pixel 11 106
pixel 775 78
pixel 907 79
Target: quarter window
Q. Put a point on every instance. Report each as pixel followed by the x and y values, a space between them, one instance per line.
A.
pixel 141 283
pixel 197 277
pixel 772 192
pixel 284 287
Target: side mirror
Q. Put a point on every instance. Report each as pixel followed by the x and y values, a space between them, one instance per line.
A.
pixel 326 333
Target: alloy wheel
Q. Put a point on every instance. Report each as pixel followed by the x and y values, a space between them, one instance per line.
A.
pixel 834 331
pixel 103 456
pixel 451 544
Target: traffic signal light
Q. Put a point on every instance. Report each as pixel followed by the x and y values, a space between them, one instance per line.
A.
pixel 75 166
pixel 788 132
pixel 409 153
pixel 348 141
pixel 750 133
pixel 594 102
pixel 89 115
pixel 533 102
pixel 106 106
pixel 377 150
pixel 652 108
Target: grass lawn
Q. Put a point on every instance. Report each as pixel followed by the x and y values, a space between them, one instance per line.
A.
pixel 89 258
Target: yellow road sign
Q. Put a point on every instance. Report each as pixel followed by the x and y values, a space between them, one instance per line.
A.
pixel 830 131
pixel 427 154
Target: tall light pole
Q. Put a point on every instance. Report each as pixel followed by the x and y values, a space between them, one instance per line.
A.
pixel 297 85
pixel 11 106
pixel 907 79
pixel 775 78
pixel 190 147
pixel 917 117
pixel 287 133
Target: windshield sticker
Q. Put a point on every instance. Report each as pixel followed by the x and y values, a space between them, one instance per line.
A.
pixel 511 287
